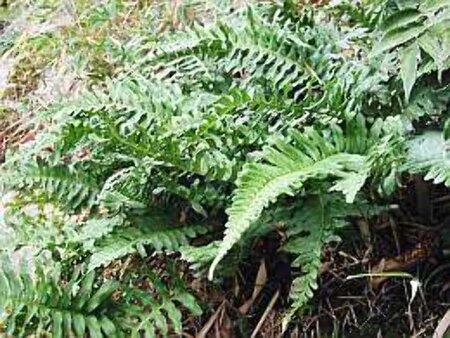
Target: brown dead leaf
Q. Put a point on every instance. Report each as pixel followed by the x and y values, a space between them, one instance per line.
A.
pixel 364 229
pixel 261 279
pixel 400 263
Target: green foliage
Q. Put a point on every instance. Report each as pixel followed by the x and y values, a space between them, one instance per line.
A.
pixel 417 31
pixel 428 155
pixel 281 117
pixel 414 22
pixel 288 168
pixel 35 300
pixel 310 226
pixel 150 314
pixel 346 159
pixel 59 183
pixel 38 298
pixel 124 241
pixel 408 68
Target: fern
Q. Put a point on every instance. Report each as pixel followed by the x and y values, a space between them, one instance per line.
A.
pixel 231 110
pixel 310 226
pixel 162 307
pixel 410 23
pixel 199 257
pixel 427 101
pixel 124 189
pixel 348 159
pixel 145 230
pixel 59 183
pixel 427 155
pixel 38 302
pixel 95 229
pixel 288 168
pixel 420 32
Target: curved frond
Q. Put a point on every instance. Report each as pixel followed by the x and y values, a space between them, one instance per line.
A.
pixel 286 170
pixel 154 313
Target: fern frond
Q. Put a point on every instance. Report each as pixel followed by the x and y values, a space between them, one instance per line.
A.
pixel 149 119
pixel 419 32
pixel 350 184
pixel 428 155
pixel 199 257
pixel 310 226
pixel 72 189
pixel 287 169
pixel 145 230
pixel 427 101
pixel 158 312
pixel 124 189
pixel 410 23
pixel 38 301
pixel 96 228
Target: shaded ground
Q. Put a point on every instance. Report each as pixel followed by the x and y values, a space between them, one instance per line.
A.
pixel 402 240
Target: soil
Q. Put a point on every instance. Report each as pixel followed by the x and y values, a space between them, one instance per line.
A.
pixel 402 240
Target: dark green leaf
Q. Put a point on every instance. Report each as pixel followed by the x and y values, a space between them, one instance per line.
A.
pixel 86 289
pixel 68 324
pixel 101 295
pixel 174 315
pixel 402 18
pixel 447 130
pixel 108 327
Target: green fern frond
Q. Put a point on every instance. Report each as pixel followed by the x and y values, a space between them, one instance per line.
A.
pixel 350 184
pixel 410 23
pixel 287 169
pixel 428 155
pixel 148 119
pixel 155 231
pixel 125 188
pixel 211 40
pixel 158 312
pixel 427 101
pixel 36 301
pixel 419 32
pixel 72 189
pixel 310 226
pixel 199 257
pixel 97 228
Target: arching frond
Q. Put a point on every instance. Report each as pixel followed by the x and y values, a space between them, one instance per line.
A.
pixel 288 167
pixel 60 183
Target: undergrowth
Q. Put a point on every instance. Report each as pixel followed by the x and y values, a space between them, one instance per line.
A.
pixel 202 119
